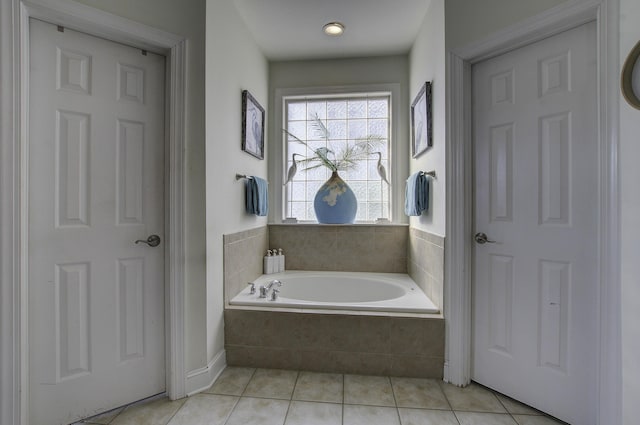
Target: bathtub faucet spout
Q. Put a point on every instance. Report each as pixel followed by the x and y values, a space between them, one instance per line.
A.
pixel 264 290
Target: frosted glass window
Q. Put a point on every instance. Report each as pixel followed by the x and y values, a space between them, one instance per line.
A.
pixel 348 120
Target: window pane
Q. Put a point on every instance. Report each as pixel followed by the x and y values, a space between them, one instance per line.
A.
pixel 296 111
pixel 379 128
pixel 317 109
pixel 378 108
pixel 357 129
pixel 298 129
pixel 337 109
pixel 337 129
pixel 357 109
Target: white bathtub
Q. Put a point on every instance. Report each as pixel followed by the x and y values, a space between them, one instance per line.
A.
pixel 341 291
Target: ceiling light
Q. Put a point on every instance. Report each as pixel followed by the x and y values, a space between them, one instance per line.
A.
pixel 333 28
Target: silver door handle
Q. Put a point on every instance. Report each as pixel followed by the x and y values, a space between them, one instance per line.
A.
pixel 481 238
pixel 152 241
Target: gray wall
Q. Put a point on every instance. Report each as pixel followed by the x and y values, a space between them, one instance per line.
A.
pixel 234 63
pixel 427 63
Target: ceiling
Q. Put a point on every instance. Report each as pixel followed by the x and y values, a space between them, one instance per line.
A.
pixel 292 29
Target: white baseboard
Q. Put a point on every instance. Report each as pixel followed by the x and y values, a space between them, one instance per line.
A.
pixel 201 379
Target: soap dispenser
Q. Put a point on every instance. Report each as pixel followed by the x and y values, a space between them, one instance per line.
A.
pixel 268 262
pixel 281 260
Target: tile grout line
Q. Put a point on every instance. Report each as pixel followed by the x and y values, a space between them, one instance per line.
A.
pixel 395 400
pixel 240 396
pixel 295 384
pixel 343 398
pixel 495 394
pixel 232 410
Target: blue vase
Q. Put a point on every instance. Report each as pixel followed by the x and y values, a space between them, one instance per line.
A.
pixel 335 202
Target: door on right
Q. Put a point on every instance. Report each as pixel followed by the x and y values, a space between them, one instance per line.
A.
pixel 535 288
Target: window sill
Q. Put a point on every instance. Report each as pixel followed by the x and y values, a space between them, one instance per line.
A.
pixel 360 224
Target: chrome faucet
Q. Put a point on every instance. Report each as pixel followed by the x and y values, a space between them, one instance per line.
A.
pixel 264 290
pixel 274 294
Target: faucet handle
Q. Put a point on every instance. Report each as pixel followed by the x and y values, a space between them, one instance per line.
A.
pixel 274 294
pixel 263 291
pixel 253 288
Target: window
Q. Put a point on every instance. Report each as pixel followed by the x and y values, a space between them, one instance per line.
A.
pixel 348 120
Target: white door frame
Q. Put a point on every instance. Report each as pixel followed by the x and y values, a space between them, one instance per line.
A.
pixel 459 246
pixel 14 116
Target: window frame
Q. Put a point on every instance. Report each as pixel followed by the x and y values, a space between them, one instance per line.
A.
pixel 278 160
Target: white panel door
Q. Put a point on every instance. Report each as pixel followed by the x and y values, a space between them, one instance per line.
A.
pixel 536 196
pixel 96 161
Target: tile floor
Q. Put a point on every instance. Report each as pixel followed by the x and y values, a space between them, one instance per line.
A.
pixel 247 396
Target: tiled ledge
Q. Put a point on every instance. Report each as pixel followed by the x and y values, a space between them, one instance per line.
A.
pixel 372 224
pixel 335 311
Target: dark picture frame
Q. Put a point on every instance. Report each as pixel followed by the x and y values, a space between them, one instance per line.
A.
pixel 422 121
pixel 252 126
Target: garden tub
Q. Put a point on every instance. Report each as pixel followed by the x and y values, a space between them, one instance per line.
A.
pixel 360 291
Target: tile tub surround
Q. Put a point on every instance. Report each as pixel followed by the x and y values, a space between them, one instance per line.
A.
pixel 425 263
pixel 243 259
pixel 335 343
pixel 354 248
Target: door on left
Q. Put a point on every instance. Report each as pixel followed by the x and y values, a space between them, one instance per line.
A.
pixel 95 186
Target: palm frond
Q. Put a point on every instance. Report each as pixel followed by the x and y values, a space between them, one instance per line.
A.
pixel 346 159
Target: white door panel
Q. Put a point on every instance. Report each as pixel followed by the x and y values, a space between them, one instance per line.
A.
pixel 536 170
pixel 96 171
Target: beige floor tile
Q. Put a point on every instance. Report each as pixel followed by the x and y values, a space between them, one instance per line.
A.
pixel 271 383
pixel 370 415
pixel 473 398
pixel 427 417
pixel 103 419
pixel 517 408
pixel 232 381
pixel 536 420
pixel 326 387
pixel 310 413
pixel 259 411
pixel 369 390
pixel 474 418
pixel 205 409
pixel 157 412
pixel 419 393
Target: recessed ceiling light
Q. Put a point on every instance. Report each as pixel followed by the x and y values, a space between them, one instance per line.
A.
pixel 333 28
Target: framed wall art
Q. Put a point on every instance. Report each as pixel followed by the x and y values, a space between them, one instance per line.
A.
pixel 421 121
pixel 252 126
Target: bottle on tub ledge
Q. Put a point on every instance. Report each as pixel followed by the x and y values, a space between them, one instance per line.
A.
pixel 269 266
pixel 280 260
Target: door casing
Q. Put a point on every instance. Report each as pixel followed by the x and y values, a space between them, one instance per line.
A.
pixel 101 24
pixel 459 247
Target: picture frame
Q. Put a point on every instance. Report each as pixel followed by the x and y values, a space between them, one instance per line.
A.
pixel 422 121
pixel 252 126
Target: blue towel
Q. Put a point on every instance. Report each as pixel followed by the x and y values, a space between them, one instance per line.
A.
pixel 416 194
pixel 257 196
